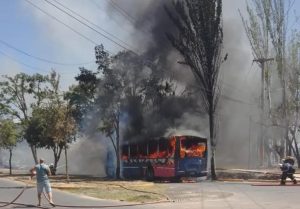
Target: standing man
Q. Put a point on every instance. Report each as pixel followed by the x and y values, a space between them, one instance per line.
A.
pixel 42 171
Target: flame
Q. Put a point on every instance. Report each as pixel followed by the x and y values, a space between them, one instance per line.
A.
pixel 193 151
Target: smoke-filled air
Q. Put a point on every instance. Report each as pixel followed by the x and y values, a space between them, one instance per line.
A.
pixel 164 76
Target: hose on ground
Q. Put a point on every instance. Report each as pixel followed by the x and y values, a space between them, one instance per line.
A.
pixel 13 202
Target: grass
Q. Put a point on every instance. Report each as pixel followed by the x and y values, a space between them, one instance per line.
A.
pixel 117 194
pixel 130 191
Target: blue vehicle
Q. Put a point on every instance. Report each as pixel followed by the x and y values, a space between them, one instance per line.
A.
pixel 172 158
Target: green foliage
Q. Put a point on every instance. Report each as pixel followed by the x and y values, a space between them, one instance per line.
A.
pixel 82 96
pixel 51 125
pixel 9 134
pixel 15 93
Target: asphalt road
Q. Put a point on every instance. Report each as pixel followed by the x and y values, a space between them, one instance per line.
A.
pixel 203 195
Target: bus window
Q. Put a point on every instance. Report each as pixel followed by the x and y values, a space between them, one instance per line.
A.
pixel 133 151
pixel 125 153
pixel 142 150
pixel 171 147
pixel 152 148
pixel 163 148
pixel 192 147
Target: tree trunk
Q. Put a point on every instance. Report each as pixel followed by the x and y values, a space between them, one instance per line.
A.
pixel 10 156
pixel 34 153
pixel 67 169
pixel 118 168
pixel 1 160
pixel 56 152
pixel 212 143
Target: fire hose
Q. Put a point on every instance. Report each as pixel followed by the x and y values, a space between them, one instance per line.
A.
pixel 115 206
pixel 13 202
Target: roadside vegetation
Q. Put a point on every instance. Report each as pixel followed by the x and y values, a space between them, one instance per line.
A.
pixel 103 188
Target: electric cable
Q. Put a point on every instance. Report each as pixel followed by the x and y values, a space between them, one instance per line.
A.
pixel 103 35
pixel 61 22
pixel 62 10
pixel 30 67
pixel 39 58
pixel 95 25
pixel 22 63
pixel 122 11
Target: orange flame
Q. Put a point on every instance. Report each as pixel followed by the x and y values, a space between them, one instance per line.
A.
pixel 193 151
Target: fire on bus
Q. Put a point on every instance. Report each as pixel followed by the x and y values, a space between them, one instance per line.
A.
pixel 166 157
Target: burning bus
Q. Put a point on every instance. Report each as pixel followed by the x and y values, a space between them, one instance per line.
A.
pixel 167 157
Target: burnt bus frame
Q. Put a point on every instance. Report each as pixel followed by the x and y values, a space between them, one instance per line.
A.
pixel 139 168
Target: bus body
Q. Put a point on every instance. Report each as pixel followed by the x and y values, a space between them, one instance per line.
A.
pixel 173 157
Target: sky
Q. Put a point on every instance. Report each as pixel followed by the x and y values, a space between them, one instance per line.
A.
pixel 26 28
pixel 32 42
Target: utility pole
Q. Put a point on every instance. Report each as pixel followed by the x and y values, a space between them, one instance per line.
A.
pixel 262 62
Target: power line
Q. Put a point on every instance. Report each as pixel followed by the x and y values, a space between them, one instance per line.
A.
pixel 122 11
pixel 103 35
pixel 39 58
pixel 53 17
pixel 62 10
pixel 103 10
pixel 22 63
pixel 95 25
pixel 30 67
pixel 126 14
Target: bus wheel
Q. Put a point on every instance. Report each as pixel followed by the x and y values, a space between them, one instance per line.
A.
pixel 149 175
pixel 176 179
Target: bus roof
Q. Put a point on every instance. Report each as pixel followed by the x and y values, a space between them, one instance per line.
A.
pixel 175 132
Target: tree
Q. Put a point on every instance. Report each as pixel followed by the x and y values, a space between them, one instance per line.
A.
pixel 19 93
pixel 128 88
pixel 81 97
pixel 267 27
pixel 256 27
pixel 293 63
pixel 109 99
pixel 9 137
pixel 127 97
pixel 52 125
pixel 200 40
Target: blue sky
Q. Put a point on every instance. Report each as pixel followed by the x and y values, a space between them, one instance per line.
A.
pixel 28 29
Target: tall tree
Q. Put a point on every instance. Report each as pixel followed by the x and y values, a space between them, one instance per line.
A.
pixel 268 21
pixel 293 105
pixel 200 40
pixel 109 101
pixel 21 92
pixel 81 97
pixel 52 125
pixel 277 27
pixel 256 27
pixel 9 137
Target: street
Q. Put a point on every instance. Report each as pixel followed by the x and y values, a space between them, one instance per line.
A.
pixel 204 195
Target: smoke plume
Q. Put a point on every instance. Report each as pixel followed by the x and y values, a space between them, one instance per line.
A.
pixel 237 111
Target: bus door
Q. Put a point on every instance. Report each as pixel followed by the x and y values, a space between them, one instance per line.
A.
pixel 165 166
